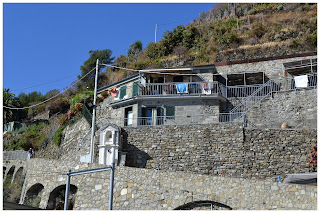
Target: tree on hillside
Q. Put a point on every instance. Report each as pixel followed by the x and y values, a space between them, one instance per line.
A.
pixel 121 61
pixel 104 57
pixel 9 100
pixel 135 50
pixel 52 93
pixel 32 97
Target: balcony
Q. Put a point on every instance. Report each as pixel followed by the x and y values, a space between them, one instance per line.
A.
pixel 182 89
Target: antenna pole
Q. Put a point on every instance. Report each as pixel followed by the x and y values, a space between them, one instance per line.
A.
pixel 155 34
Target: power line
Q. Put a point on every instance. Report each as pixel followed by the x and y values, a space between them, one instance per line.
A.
pixel 52 96
pixel 44 83
pixel 146 71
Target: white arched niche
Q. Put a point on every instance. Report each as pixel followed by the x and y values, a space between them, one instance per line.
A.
pixel 109 145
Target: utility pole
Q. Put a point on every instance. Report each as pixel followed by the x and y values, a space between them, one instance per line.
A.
pixel 93 126
pixel 155 35
pixel 112 171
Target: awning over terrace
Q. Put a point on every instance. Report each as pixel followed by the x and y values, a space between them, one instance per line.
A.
pixel 246 78
pixel 300 67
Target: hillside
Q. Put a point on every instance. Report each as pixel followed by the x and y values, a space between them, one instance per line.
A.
pixel 227 32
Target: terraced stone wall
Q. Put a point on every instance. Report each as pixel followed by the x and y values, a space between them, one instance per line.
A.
pixel 219 149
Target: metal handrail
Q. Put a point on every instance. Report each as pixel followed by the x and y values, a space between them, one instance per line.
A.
pixel 178 119
pixel 265 90
pixel 254 97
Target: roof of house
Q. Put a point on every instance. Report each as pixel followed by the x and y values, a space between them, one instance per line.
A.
pixel 125 80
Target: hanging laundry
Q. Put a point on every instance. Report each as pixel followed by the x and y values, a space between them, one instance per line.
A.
pixel 117 97
pixel 206 88
pixel 182 88
pixel 113 92
pixel 301 81
pixel 143 82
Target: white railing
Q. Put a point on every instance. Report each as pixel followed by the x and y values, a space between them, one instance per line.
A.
pixel 242 91
pixel 274 85
pixel 191 88
pixel 16 155
pixel 287 84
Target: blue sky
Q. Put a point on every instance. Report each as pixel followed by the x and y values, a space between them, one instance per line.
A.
pixel 47 42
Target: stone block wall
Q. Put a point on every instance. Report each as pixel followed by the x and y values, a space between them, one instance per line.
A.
pixel 297 108
pixel 273 68
pixel 145 189
pixel 195 148
pixel 186 111
pixel 272 152
pixel 219 149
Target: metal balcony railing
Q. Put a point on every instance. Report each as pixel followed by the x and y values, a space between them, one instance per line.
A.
pixel 178 119
pixel 178 89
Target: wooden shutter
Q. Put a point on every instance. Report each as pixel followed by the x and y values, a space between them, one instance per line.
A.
pixel 123 92
pixel 160 114
pixel 143 120
pixel 135 88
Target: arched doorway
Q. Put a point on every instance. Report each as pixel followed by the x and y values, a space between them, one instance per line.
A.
pixel 57 196
pixel 33 195
pixel 203 205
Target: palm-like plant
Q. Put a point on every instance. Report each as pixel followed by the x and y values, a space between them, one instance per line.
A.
pixel 9 100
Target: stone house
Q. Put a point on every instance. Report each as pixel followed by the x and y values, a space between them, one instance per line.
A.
pixel 200 94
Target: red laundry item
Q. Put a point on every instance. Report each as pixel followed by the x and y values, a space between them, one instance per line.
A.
pixel 113 91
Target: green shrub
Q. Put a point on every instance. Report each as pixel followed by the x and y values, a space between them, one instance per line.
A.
pixel 77 98
pixel 58 135
pixel 311 39
pixel 14 144
pixel 33 137
pixel 295 43
pixel 224 34
pixel 154 50
pixel 88 92
pixel 140 65
pixel 258 29
pixel 58 105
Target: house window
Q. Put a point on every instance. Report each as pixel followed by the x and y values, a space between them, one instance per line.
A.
pixel 123 92
pixel 152 116
pixel 170 112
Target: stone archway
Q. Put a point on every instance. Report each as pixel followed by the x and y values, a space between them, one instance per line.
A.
pixel 9 174
pixel 57 196
pixel 33 195
pixel 7 185
pixel 16 185
pixel 203 205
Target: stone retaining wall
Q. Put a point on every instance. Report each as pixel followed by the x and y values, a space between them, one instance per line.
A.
pixel 297 108
pixel 219 149
pixel 273 68
pixel 145 189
